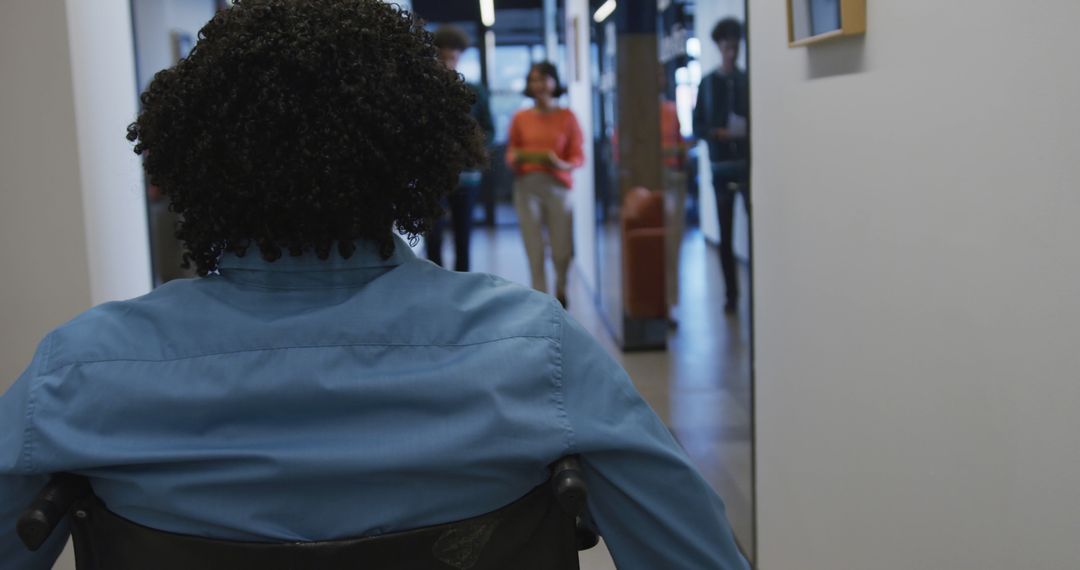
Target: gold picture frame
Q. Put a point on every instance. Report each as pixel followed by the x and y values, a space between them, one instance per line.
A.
pixel 848 18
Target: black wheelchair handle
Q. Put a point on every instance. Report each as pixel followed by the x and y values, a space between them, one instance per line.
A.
pixel 569 483
pixel 49 508
pixel 571 492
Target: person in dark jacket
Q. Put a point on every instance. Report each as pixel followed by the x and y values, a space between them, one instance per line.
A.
pixel 452 41
pixel 720 119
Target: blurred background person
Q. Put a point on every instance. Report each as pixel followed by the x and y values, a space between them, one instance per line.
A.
pixel 720 120
pixel 545 145
pixel 451 42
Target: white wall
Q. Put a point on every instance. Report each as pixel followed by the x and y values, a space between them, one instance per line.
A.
pixel 42 234
pixel 584 194
pixel 114 199
pixel 916 204
pixel 72 219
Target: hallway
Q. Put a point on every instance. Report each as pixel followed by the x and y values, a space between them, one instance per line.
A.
pixel 700 387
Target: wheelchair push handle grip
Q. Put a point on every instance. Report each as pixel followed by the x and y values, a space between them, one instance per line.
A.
pixel 49 508
pixel 571 493
pixel 569 483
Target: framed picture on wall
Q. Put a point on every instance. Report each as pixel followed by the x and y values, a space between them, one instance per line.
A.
pixel 814 21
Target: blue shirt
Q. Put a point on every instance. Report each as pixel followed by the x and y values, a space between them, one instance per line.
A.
pixel 311 400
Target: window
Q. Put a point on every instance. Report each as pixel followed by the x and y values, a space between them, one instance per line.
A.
pixel 507 82
pixel 469 66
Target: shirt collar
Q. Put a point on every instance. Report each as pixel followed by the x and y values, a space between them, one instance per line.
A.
pixel 307 270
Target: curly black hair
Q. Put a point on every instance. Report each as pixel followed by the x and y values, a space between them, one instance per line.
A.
pixel 728 29
pixel 306 125
pixel 547 68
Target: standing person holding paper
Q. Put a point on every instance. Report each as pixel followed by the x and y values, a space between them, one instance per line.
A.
pixel 720 119
pixel 545 146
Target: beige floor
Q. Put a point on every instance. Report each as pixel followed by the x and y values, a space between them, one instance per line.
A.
pixel 700 386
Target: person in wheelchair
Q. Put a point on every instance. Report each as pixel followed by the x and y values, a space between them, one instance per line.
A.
pixel 318 384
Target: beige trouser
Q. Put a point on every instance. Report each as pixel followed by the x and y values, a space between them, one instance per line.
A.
pixel 675 225
pixel 541 201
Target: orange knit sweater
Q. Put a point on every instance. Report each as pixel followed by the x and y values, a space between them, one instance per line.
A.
pixel 533 131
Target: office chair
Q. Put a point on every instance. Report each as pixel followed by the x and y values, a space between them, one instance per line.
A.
pixel 540 531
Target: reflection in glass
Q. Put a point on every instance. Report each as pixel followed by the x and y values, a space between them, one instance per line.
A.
pixel 814 17
pixel 824 16
pixel 605 96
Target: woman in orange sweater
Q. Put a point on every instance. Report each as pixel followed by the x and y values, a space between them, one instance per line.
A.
pixel 544 147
